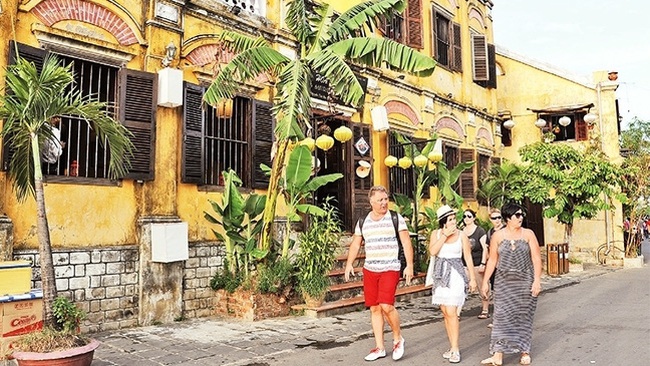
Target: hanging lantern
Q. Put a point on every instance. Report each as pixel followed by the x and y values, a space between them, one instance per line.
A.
pixel 540 123
pixel 324 142
pixel 590 118
pixel 509 124
pixel 420 161
pixel 343 134
pixel 405 162
pixel 390 161
pixel 309 142
pixel 436 154
pixel 564 121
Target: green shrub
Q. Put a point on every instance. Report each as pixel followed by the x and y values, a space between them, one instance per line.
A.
pixel 67 316
pixel 224 279
pixel 274 278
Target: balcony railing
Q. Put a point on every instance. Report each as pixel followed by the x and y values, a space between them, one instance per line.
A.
pixel 257 7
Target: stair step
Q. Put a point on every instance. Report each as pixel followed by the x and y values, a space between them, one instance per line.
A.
pixel 357 303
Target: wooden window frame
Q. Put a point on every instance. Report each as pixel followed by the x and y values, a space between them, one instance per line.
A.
pixel 577 130
pixel 447 41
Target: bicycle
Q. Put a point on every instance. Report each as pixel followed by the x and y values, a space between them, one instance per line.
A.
pixel 611 251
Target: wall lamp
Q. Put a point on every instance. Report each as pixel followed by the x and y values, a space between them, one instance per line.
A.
pixel 508 124
pixel 170 54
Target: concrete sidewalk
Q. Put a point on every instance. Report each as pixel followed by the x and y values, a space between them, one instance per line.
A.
pixel 209 341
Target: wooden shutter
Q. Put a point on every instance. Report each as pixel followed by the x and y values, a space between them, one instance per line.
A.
pixel 582 132
pixel 492 67
pixel 31 54
pixel 479 58
pixel 456 51
pixel 192 147
pixel 414 24
pixel 138 114
pixel 467 189
pixel 263 128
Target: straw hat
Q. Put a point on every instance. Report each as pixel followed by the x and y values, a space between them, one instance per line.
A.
pixel 363 170
pixel 444 211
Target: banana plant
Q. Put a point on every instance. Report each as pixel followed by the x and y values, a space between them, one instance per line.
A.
pixel 240 219
pixel 325 43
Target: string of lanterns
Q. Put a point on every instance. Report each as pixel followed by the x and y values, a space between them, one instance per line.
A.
pixel 325 142
pixel 419 161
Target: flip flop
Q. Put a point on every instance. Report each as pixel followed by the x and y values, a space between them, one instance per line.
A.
pixel 491 361
pixel 484 314
pixel 525 359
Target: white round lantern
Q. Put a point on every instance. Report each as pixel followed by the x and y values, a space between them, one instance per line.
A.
pixel 509 124
pixel 564 121
pixel 590 118
pixel 541 123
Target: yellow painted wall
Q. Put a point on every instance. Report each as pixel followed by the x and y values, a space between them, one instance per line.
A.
pixel 526 84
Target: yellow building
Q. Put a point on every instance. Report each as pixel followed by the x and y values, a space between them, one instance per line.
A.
pixel 540 99
pixel 138 250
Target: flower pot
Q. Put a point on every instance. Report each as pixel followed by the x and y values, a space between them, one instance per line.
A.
pixel 79 356
pixel 314 302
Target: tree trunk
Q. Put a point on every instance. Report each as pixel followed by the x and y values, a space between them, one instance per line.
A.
pixel 272 195
pixel 48 280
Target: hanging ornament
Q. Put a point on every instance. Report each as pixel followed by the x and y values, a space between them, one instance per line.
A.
pixel 324 142
pixel 343 134
pixel 309 142
pixel 405 162
pixel 420 161
pixel 390 161
pixel 436 154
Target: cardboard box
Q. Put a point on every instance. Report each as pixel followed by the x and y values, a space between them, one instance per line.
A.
pixel 21 317
pixel 15 277
pixel 6 346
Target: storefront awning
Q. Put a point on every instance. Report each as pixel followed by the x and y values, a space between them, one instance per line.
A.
pixel 563 109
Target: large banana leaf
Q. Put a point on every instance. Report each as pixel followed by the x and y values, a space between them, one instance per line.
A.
pixel 377 52
pixel 298 168
pixel 293 101
pixel 339 76
pixel 348 23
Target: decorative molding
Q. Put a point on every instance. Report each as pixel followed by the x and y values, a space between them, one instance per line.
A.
pixel 484 134
pixel 51 12
pixel 476 14
pixel 396 106
pixel 450 123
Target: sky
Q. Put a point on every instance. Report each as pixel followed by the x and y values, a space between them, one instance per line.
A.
pixel 582 37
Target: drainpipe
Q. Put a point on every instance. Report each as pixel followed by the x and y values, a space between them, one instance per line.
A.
pixel 602 146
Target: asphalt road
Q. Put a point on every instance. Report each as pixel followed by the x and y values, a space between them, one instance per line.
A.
pixel 600 321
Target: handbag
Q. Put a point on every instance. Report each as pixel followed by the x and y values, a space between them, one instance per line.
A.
pixel 429 279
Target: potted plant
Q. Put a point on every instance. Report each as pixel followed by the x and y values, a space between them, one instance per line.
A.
pixel 61 344
pixel 316 256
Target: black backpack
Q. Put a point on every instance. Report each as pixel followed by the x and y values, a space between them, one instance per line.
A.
pixel 400 253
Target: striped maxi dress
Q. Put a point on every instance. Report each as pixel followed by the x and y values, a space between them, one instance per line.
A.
pixel 514 306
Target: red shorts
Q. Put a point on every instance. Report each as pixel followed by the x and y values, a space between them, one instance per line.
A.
pixel 379 287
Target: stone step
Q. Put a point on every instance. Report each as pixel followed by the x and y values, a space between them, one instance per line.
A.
pixel 331 308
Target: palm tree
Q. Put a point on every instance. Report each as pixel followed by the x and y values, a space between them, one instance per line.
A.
pixel 31 100
pixel 502 183
pixel 324 43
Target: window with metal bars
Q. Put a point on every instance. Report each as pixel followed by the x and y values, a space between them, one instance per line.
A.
pixel 83 154
pixel 227 141
pixel 446 41
pixel 402 181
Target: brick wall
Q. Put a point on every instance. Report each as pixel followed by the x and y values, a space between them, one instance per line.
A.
pixel 104 281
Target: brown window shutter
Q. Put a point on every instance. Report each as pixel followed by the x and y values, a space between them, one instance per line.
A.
pixel 582 133
pixel 467 189
pixel 480 57
pixel 263 136
pixel 457 55
pixel 32 54
pixel 434 35
pixel 492 67
pixel 414 24
pixel 138 114
pixel 192 148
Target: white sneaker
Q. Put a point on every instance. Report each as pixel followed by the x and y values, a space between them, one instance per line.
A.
pixel 398 349
pixel 447 354
pixel 455 357
pixel 375 353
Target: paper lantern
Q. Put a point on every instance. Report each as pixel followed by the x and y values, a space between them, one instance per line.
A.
pixel 324 142
pixel 343 134
pixel 541 123
pixel 309 142
pixel 565 121
pixel 420 161
pixel 379 117
pixel 436 154
pixel 390 161
pixel 404 162
pixel 509 124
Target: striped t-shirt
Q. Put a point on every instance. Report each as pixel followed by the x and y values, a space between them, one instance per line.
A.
pixel 381 244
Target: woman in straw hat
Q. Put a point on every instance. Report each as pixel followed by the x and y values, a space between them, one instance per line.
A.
pixel 449 276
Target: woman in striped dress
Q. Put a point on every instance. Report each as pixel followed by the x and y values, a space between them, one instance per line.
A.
pixel 515 252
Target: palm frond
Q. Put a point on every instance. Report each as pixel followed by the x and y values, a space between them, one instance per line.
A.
pixel 379 51
pixel 293 100
pixel 364 14
pixel 236 42
pixel 339 75
pixel 298 21
pixel 247 65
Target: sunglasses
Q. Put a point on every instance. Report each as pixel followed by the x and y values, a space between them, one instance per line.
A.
pixel 520 215
pixel 495 218
pixel 468 216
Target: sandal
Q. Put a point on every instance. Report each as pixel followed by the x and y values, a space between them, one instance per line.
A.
pixel 491 361
pixel 525 359
pixel 484 314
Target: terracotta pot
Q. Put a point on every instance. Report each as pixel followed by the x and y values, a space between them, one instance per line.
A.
pixel 79 356
pixel 314 302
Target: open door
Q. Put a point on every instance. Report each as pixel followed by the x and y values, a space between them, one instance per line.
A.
pixel 535 220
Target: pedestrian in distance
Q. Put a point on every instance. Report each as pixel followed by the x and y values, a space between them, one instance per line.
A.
pixel 515 254
pixel 381 269
pixel 478 242
pixel 450 281
pixel 497 224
